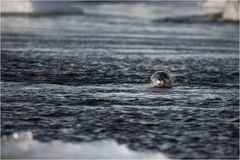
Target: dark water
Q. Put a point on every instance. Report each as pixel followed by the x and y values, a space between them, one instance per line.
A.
pixel 81 78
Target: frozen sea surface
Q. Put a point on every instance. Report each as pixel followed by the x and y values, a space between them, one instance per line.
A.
pixel 85 78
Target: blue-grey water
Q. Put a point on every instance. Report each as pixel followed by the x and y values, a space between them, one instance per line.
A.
pixel 83 78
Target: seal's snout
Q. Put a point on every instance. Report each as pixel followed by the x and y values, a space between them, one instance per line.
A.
pixel 161 79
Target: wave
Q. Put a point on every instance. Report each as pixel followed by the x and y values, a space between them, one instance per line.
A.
pixel 193 19
pixel 22 145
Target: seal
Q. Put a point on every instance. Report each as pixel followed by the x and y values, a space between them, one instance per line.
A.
pixel 161 79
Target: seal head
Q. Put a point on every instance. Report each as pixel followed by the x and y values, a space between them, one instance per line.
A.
pixel 161 79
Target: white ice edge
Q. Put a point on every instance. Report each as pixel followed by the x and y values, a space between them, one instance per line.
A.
pixel 22 145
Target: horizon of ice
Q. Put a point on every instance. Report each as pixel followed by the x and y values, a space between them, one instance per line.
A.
pixel 38 7
pixel 226 9
pixel 22 145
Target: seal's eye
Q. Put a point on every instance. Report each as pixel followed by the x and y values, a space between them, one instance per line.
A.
pixel 163 76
